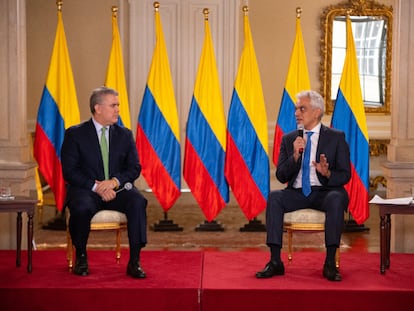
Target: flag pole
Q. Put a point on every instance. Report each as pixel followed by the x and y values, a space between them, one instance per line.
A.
pixel 166 224
pixel 195 171
pixel 209 226
pixel 59 5
pixel 160 68
pixel 351 225
pixel 254 225
pixel 59 221
pixel 350 98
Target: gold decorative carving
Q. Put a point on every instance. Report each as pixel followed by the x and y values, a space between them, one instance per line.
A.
pixel 378 147
pixel 377 180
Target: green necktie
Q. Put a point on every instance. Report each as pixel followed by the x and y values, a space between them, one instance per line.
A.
pixel 105 154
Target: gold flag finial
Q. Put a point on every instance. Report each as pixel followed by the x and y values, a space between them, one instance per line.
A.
pixel 156 5
pixel 245 9
pixel 114 10
pixel 59 5
pixel 206 12
pixel 298 11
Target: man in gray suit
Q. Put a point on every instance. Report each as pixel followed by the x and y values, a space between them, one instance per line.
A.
pixel 92 185
pixel 315 167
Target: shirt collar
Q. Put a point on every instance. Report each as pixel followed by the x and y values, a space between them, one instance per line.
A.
pixel 316 129
pixel 98 126
pixel 98 129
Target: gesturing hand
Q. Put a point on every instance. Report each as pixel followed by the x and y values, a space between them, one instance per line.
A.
pixel 323 166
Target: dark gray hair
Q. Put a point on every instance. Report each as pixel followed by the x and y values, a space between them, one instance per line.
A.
pixel 98 94
pixel 316 100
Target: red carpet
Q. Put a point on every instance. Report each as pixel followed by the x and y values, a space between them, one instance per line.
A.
pixel 173 282
pixel 229 283
pixel 205 281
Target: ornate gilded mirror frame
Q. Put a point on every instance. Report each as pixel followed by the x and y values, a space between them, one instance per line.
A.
pixel 355 8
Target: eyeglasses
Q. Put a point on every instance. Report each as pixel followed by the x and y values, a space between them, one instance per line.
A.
pixel 302 109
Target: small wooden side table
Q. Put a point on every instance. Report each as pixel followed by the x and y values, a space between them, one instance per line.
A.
pixel 385 212
pixel 19 205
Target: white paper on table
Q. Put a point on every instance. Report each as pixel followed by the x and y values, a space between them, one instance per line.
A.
pixel 401 201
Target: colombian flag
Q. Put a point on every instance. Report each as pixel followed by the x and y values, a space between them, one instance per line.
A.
pixel 115 76
pixel 247 159
pixel 205 145
pixel 58 110
pixel 349 116
pixel 297 80
pixel 158 136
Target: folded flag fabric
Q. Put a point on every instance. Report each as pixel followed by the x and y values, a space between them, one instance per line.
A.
pixel 58 110
pixel 247 159
pixel 349 116
pixel 158 136
pixel 297 80
pixel 115 74
pixel 205 145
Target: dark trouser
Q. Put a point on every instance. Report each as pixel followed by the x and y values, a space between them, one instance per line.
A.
pixel 84 204
pixel 333 202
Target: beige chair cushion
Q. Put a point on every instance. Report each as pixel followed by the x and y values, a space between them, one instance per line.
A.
pixel 109 216
pixel 306 215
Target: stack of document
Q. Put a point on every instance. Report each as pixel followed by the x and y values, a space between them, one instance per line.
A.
pixel 399 201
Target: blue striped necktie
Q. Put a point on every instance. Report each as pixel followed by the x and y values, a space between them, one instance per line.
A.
pixel 306 186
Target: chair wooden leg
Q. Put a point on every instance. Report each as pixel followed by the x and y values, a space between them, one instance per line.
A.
pixel 290 242
pixel 69 250
pixel 40 214
pixel 69 245
pixel 337 257
pixel 118 245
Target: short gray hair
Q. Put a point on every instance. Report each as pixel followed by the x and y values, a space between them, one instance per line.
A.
pixel 316 100
pixel 98 94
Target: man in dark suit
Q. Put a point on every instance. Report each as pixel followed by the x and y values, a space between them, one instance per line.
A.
pixel 92 186
pixel 328 164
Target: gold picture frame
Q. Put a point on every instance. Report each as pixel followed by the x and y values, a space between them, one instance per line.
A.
pixel 354 8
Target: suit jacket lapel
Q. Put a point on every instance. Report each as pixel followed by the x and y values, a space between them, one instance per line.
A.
pixel 95 146
pixel 94 138
pixel 321 142
pixel 113 143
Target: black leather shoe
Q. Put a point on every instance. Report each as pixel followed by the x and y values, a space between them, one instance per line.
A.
pixel 331 273
pixel 135 270
pixel 271 269
pixel 81 265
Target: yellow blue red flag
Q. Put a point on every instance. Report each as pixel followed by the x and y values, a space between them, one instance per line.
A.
pixel 297 80
pixel 158 132
pixel 205 145
pixel 58 110
pixel 349 116
pixel 247 159
pixel 115 74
